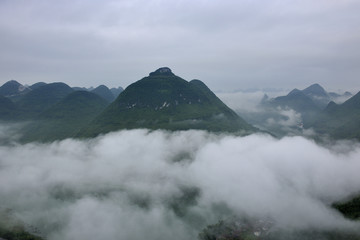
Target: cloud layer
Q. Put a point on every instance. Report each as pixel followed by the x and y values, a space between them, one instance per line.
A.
pixel 160 185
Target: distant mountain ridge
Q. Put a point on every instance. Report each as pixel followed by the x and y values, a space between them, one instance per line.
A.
pixel 309 102
pixel 316 93
pixel 104 92
pixel 42 98
pixel 116 91
pixel 163 100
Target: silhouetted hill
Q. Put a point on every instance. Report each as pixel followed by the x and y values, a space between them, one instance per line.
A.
pixel 312 99
pixel 315 90
pixel 37 85
pixel 340 121
pixel 80 89
pixel 65 118
pixel 165 101
pixel 296 100
pixel 318 94
pixel 104 92
pixel 41 98
pixel 347 94
pixel 308 102
pixel 116 91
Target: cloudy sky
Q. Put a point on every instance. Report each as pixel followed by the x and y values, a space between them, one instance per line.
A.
pixel 228 44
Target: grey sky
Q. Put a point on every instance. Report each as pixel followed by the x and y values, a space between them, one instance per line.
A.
pixel 227 44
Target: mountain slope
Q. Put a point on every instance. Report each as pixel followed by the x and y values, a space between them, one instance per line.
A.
pixel 318 94
pixel 65 118
pixel 12 88
pixel 7 108
pixel 297 101
pixel 41 98
pixel 315 90
pixel 340 121
pixel 37 85
pixel 165 101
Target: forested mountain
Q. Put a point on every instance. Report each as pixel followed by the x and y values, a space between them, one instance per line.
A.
pixel 66 118
pixel 340 120
pixel 165 101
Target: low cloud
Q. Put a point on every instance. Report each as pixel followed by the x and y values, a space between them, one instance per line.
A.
pixel 242 101
pixel 9 132
pixel 279 121
pixel 161 185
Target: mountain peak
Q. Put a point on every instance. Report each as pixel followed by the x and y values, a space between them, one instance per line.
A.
pixel 12 87
pixel 294 91
pixel 162 71
pixel 315 90
pixel 104 92
pixel 166 101
pixel 315 85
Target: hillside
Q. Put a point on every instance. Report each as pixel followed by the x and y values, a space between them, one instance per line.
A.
pixel 7 108
pixel 13 90
pixel 37 85
pixel 165 101
pixel 65 118
pixel 41 98
pixel 340 121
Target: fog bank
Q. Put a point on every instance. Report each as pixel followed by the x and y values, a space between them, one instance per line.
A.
pixel 160 185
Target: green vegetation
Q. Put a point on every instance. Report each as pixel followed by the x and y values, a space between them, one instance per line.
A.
pixel 7 108
pixel 250 229
pixel 66 118
pixel 40 99
pixel 12 88
pixel 17 233
pixel 12 229
pixel 313 234
pixel 340 121
pixel 160 101
pixel 165 101
pixel 37 85
pixel 230 230
pixel 188 197
pixel 350 209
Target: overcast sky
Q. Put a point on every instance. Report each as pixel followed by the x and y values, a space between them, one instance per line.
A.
pixel 228 44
